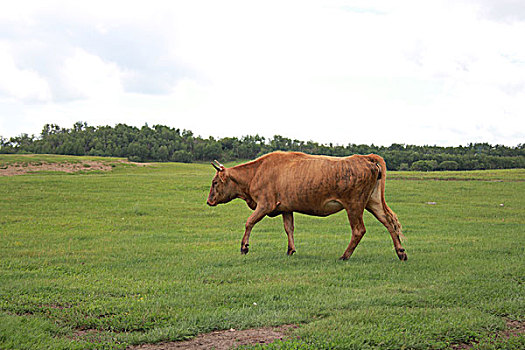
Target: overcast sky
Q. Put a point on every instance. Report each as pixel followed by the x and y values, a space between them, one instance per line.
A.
pixel 382 72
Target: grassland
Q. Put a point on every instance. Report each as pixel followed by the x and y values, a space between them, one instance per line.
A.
pixel 134 255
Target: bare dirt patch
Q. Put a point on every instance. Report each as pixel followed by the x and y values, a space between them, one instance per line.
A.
pixel 223 340
pixel 67 167
pixel 514 329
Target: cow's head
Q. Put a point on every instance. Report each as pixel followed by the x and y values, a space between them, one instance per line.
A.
pixel 223 189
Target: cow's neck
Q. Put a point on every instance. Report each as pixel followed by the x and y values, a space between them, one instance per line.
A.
pixel 243 175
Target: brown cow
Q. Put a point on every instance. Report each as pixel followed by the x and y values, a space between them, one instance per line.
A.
pixel 281 183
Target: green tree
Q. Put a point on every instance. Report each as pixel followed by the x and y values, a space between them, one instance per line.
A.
pixel 162 154
pixel 448 165
pixel 182 156
pixel 212 150
pixel 423 165
pixel 137 152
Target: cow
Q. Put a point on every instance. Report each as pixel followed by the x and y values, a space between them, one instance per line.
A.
pixel 281 183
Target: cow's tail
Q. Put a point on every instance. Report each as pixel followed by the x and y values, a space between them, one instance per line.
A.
pixel 391 217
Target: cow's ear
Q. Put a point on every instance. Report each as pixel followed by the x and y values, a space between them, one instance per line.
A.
pixel 222 175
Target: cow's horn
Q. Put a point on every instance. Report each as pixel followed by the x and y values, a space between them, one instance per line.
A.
pixel 215 166
pixel 218 166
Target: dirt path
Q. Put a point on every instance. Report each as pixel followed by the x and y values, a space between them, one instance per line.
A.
pixel 223 340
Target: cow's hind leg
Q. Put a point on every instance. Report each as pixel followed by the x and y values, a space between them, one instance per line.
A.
pixel 388 218
pixel 256 216
pixel 288 227
pixel 358 231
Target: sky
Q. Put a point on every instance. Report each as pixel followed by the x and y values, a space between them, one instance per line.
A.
pixel 428 72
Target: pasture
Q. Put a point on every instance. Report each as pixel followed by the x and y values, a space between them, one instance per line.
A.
pixel 134 255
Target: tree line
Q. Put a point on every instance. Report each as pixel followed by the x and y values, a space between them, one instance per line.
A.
pixel 161 143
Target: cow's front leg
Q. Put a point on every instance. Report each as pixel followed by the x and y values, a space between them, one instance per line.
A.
pixel 256 216
pixel 288 227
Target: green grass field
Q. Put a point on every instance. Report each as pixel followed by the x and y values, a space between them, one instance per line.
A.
pixel 109 259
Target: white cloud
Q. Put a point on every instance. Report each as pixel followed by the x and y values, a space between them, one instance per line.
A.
pixel 20 84
pixel 89 77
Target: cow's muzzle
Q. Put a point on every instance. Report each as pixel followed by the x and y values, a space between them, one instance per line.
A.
pixel 211 203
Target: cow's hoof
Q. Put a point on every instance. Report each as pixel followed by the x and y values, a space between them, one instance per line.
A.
pixel 244 249
pixel 290 252
pixel 402 255
pixel 344 258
